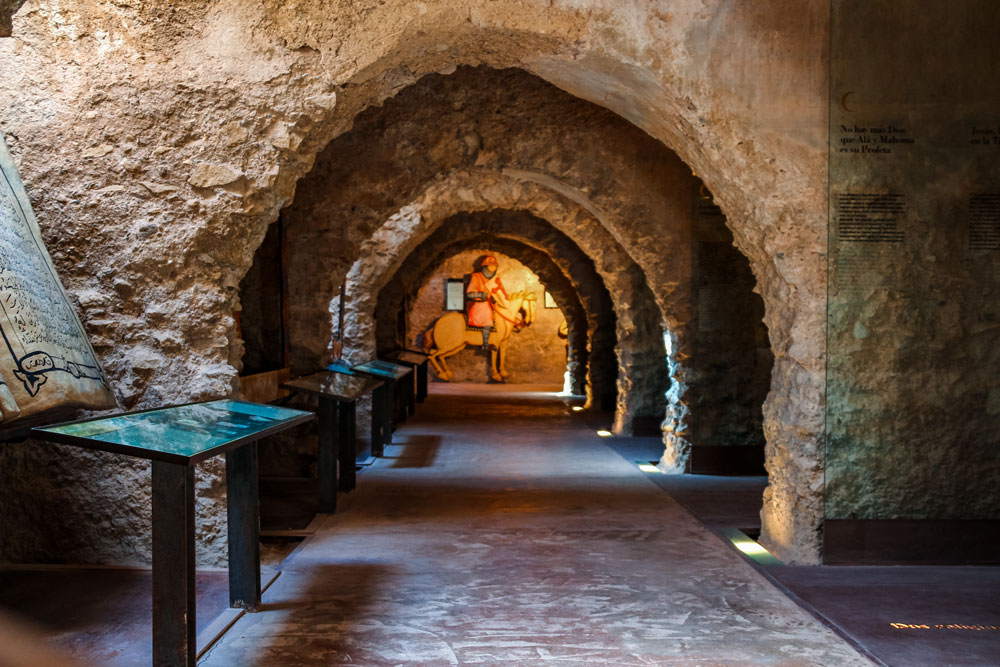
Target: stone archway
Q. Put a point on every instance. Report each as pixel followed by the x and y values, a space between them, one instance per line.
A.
pixel 137 127
pixel 484 190
pixel 567 260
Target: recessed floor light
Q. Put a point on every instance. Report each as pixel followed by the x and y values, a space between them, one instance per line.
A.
pixel 750 547
pixel 648 467
pixel 577 408
pixel 605 434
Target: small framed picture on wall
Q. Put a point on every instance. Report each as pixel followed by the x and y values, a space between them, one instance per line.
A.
pixel 454 294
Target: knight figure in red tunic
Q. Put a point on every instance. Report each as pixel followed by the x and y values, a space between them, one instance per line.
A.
pixel 485 290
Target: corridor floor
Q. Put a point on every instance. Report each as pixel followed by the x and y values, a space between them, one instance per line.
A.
pixel 499 529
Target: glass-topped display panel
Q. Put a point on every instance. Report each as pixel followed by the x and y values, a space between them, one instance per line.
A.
pixel 340 367
pixel 183 432
pixel 337 385
pixel 385 369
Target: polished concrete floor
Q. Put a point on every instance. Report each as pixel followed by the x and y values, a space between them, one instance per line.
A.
pixel 501 530
pixel 97 616
pixel 900 615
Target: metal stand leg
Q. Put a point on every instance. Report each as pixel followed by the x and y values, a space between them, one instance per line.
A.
pixel 411 391
pixel 244 528
pixel 388 403
pixel 346 436
pixel 378 406
pixel 421 382
pixel 174 625
pixel 398 404
pixel 328 455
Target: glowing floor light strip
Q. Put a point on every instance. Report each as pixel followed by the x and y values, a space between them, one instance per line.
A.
pixel 577 408
pixel 604 434
pixel 751 548
pixel 648 467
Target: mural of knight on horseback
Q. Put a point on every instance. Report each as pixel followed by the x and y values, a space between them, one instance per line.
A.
pixel 492 315
pixel 484 293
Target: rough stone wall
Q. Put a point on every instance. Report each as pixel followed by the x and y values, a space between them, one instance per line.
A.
pixel 535 355
pixel 7 9
pixel 913 348
pixel 167 134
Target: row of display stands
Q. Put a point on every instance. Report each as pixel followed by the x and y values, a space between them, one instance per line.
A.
pixel 395 386
pixel 175 439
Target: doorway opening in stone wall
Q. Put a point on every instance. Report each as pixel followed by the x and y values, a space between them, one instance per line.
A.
pixel 613 225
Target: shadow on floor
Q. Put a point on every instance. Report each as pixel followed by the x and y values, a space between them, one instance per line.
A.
pixel 718 501
pixel 466 500
pixel 412 451
pixel 332 598
pixel 100 616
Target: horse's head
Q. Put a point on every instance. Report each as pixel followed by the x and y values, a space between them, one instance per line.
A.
pixel 528 306
pixel 523 304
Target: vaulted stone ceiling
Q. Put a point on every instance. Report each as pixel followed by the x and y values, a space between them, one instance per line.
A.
pixel 167 135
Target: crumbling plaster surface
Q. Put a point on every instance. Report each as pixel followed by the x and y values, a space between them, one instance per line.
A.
pixel 565 270
pixel 166 135
pixel 7 9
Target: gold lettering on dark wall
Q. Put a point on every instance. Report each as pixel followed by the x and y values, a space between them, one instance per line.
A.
pixel 974 627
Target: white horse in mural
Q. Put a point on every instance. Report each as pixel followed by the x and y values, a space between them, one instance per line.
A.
pixel 449 335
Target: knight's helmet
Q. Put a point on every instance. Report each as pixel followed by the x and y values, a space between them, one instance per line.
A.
pixel 488 265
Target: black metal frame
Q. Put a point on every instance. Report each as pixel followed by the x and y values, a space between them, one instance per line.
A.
pixel 381 427
pixel 390 393
pixel 420 370
pixel 174 601
pixel 337 437
pixel 153 455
